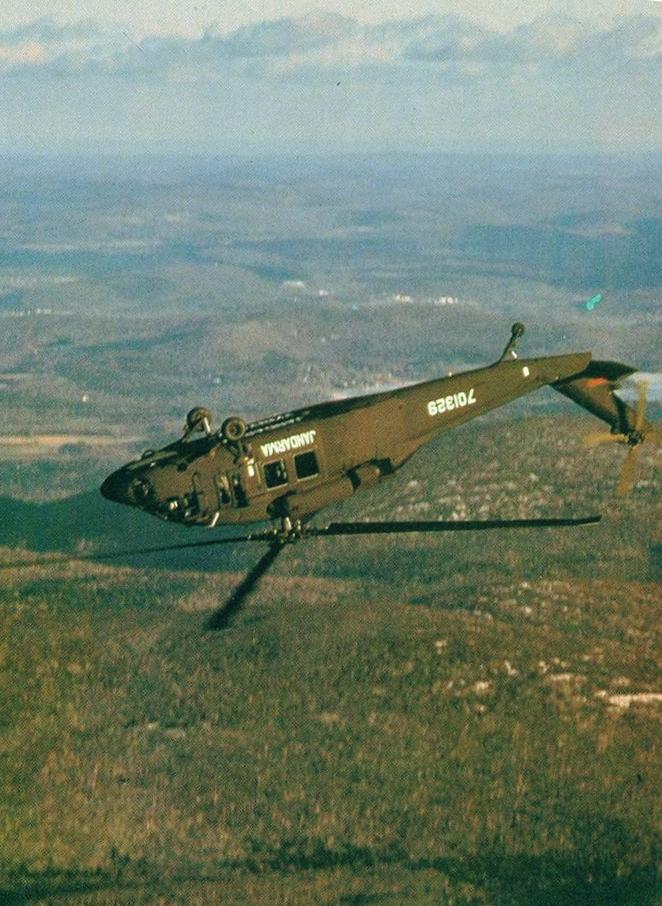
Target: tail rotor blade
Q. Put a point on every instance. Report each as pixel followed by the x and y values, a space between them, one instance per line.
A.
pixel 221 618
pixel 598 438
pixel 626 480
pixel 642 401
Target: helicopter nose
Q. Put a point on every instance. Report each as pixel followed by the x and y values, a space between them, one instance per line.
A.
pixel 116 487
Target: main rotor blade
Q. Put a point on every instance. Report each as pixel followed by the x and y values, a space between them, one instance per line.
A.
pixel 626 480
pixel 391 528
pixel 129 552
pixel 221 617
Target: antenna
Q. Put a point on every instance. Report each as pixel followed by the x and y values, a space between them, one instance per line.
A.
pixel 516 332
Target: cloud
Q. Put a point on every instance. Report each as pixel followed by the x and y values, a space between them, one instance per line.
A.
pixel 325 43
pixel 45 46
pixel 283 37
pixel 47 31
pixel 444 40
pixel 635 38
pixel 550 41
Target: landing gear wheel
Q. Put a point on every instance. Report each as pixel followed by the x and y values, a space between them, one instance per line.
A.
pixel 233 428
pixel 198 419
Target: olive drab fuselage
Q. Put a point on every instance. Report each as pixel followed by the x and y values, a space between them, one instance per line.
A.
pixel 296 463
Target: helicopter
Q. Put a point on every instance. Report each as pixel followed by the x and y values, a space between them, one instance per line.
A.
pixel 288 467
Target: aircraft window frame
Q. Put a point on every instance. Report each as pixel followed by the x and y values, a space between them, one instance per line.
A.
pixel 223 489
pixel 311 457
pixel 278 480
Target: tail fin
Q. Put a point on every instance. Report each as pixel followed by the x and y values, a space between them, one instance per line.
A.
pixel 593 388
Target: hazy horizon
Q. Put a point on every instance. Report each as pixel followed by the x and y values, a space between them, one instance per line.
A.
pixel 306 82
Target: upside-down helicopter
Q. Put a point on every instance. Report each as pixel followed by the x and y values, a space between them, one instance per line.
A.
pixel 288 467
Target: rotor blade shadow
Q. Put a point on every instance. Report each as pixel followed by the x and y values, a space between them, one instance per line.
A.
pixel 221 618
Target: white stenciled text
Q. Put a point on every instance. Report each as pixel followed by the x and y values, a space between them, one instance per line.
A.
pixel 293 442
pixel 452 401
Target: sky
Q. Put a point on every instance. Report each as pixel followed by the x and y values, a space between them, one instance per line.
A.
pixel 348 76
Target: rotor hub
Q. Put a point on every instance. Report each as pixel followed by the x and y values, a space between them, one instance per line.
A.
pixel 289 531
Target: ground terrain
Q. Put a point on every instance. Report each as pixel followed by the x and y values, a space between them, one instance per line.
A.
pixel 456 720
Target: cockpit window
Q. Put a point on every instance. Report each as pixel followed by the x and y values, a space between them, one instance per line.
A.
pixel 275 473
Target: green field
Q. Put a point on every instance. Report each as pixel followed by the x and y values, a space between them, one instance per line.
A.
pixel 423 720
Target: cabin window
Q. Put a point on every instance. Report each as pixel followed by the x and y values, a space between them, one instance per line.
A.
pixel 223 488
pixel 275 473
pixel 306 465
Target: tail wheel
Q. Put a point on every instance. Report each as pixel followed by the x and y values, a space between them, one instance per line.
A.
pixel 233 428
